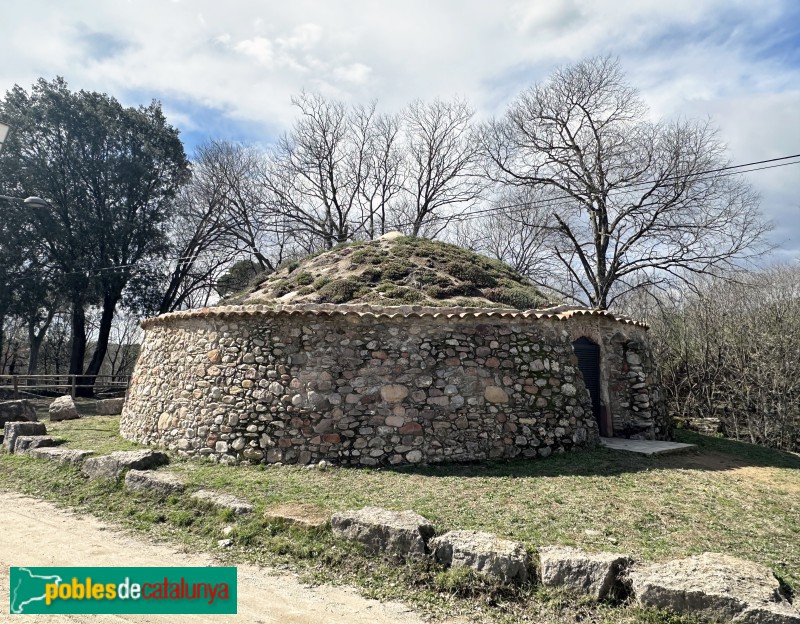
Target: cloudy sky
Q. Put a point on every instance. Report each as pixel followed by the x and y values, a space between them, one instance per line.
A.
pixel 227 69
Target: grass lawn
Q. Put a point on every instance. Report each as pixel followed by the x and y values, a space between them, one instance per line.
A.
pixel 727 497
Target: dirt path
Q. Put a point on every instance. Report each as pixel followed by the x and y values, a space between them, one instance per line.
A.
pixel 36 533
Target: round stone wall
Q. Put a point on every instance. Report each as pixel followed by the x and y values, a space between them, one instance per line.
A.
pixel 366 386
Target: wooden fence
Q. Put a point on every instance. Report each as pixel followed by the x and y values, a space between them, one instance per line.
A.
pixel 30 384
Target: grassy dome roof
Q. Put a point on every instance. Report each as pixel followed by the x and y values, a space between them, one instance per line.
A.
pixel 396 270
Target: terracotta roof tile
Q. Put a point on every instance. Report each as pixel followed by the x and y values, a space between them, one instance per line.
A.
pixel 371 311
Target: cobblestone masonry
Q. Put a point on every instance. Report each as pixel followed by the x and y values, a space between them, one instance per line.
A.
pixel 369 386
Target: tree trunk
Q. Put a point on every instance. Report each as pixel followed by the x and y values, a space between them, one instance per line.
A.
pixel 101 348
pixel 78 349
pixel 34 345
pixel 35 341
pixel 2 340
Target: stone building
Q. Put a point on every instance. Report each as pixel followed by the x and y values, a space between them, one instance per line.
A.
pixel 326 359
pixel 362 384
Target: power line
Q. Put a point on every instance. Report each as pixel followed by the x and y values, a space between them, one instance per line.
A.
pixel 699 176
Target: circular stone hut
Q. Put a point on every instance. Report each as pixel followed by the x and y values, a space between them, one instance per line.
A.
pixel 395 351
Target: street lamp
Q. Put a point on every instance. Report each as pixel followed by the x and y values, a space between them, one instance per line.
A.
pixel 36 202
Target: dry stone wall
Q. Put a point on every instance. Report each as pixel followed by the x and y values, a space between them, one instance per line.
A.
pixel 356 387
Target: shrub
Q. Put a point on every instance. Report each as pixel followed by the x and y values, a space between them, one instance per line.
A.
pixel 395 270
pixel 468 272
pixel 304 279
pixel 340 291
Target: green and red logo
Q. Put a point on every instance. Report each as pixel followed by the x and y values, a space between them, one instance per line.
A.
pixel 123 590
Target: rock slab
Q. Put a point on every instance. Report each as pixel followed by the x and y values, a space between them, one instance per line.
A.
pixel 15 411
pixel 111 466
pixel 503 559
pixel 401 533
pixel 595 575
pixel 714 585
pixel 59 454
pixel 109 407
pixel 161 483
pixel 238 506
pixel 63 408
pixel 26 442
pixel 13 430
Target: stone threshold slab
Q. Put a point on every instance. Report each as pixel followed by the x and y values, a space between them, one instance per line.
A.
pixel 645 447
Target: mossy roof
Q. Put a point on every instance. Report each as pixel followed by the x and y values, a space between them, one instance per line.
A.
pixel 395 270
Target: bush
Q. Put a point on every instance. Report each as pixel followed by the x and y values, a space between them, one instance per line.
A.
pixel 395 270
pixel 472 273
pixel 304 279
pixel 519 297
pixel 340 291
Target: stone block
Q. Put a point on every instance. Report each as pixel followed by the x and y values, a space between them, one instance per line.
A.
pixel 714 585
pixel 59 454
pixel 16 411
pixel 111 466
pixel 595 575
pixel 109 407
pixel 502 559
pixel 63 408
pixel 221 500
pixel 401 533
pixel 160 483
pixel 12 430
pixel 26 442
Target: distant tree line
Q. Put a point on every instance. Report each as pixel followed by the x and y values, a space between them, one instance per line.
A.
pixel 574 186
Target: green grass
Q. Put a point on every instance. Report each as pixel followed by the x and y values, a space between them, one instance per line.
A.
pixel 727 497
pixel 95 433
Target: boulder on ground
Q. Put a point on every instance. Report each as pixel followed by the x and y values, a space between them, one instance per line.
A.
pixel 238 506
pixel 485 553
pixel 109 407
pixel 714 585
pixel 63 408
pixel 595 575
pixel 16 411
pixel 402 533
pixel 59 454
pixel 12 430
pixel 161 483
pixel 26 442
pixel 111 466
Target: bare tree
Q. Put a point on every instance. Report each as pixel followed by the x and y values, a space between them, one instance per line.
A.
pixel 633 203
pixel 383 177
pixel 316 172
pixel 201 242
pixel 441 164
pixel 228 182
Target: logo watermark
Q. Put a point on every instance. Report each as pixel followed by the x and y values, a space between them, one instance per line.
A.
pixel 40 590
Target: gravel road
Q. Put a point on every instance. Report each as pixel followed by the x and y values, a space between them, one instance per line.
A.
pixel 36 533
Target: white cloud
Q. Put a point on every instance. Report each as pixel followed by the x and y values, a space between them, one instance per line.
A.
pixel 303 37
pixel 246 58
pixel 260 48
pixel 356 73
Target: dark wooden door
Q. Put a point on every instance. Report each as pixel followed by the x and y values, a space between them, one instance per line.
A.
pixel 588 354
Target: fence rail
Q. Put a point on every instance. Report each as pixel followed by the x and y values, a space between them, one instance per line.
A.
pixel 30 383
